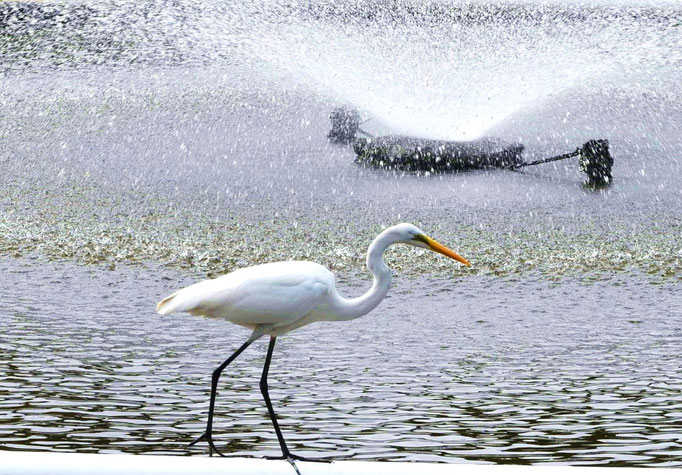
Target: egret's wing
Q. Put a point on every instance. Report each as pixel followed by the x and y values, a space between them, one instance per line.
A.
pixel 277 293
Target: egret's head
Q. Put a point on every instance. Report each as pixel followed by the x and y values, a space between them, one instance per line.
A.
pixel 412 235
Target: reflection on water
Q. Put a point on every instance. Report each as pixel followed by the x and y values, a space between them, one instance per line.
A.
pixel 482 369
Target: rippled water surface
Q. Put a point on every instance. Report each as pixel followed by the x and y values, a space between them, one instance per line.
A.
pixel 146 145
pixel 482 369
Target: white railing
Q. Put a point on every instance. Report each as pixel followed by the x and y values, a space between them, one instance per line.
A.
pixel 52 463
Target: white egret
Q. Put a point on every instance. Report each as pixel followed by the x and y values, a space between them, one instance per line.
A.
pixel 273 299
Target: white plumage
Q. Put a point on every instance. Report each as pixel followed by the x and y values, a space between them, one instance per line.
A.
pixel 278 294
pixel 273 299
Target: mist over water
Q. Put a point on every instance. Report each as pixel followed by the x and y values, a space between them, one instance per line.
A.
pixel 447 70
pixel 453 71
pixel 165 142
pixel 183 122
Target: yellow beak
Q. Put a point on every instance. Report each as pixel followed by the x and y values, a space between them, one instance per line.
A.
pixel 439 248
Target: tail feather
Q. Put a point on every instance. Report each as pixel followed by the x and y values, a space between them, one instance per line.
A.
pixel 195 299
pixel 166 306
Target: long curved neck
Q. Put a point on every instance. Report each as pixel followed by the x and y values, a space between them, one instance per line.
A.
pixel 354 308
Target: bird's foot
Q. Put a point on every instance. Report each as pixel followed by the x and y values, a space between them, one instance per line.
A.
pixel 307 459
pixel 297 458
pixel 208 437
pixel 292 459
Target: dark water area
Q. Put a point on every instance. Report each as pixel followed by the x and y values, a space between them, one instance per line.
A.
pixel 478 369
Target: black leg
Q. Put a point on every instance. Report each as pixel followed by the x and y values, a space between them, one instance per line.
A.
pixel 266 396
pixel 264 390
pixel 208 435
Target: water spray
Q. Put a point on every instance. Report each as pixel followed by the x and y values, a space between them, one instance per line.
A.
pixel 397 152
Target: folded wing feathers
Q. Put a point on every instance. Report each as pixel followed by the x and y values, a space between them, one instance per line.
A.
pixel 203 298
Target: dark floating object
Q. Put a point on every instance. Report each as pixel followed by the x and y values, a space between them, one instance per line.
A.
pixel 345 125
pixel 595 160
pixel 398 152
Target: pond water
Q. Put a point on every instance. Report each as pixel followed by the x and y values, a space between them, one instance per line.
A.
pixel 143 147
pixel 478 369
